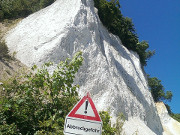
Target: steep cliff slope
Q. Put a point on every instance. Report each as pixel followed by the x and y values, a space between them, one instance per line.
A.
pixel 110 72
pixel 170 126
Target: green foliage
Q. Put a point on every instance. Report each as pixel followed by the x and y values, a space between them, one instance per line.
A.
pixel 117 127
pixel 168 95
pixel 4 51
pixel 6 129
pixel 168 109
pixel 107 129
pixel 176 116
pixel 158 91
pixel 20 8
pixel 111 17
pixel 109 13
pixel 45 3
pixel 143 54
pixel 38 102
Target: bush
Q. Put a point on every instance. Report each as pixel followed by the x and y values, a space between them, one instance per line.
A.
pixel 37 103
pixel 107 127
pixel 176 116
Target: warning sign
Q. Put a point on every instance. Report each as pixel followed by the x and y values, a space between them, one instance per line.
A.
pixel 82 127
pixel 83 119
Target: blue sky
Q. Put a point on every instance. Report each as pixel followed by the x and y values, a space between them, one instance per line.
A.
pixel 158 22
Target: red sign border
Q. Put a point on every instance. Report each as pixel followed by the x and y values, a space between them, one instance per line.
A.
pixel 74 110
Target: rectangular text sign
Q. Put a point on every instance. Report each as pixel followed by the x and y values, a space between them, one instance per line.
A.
pixel 75 126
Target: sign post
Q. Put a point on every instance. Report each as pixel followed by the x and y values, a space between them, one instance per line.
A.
pixel 83 119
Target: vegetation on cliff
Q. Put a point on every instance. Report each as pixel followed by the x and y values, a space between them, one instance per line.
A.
pixel 175 116
pixel 107 126
pixel 37 102
pixel 157 90
pixel 110 15
pixel 11 9
pixel 160 94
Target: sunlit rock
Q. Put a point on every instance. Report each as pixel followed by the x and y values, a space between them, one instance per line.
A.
pixel 111 73
pixel 170 126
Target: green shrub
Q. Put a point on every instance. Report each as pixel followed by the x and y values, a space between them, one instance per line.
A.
pixel 45 3
pixel 176 116
pixel 37 103
pixel 108 129
pixel 7 129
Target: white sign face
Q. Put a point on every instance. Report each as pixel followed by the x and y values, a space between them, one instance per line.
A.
pixel 83 119
pixel 88 112
pixel 82 127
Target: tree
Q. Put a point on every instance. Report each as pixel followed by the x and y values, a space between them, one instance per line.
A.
pixel 37 102
pixel 157 90
pixel 143 54
pixel 168 95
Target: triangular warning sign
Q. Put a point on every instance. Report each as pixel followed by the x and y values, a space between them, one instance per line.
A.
pixel 85 109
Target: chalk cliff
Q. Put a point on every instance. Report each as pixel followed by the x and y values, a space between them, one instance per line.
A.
pixel 170 125
pixel 111 73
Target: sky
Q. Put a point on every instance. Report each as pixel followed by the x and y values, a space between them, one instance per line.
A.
pixel 158 22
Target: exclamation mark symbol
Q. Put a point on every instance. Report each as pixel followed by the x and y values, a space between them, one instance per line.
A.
pixel 86 106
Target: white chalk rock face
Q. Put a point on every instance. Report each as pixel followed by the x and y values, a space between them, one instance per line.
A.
pixel 170 125
pixel 111 73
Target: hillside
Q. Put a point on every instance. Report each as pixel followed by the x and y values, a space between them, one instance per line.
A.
pixel 110 72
